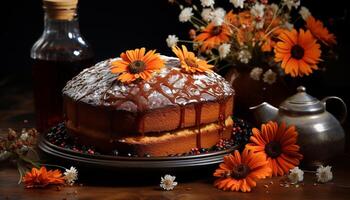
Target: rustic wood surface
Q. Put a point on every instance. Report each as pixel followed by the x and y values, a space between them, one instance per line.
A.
pixel 16 110
pixel 201 189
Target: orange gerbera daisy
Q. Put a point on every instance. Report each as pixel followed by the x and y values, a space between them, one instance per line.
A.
pixel 240 172
pixel 298 52
pixel 212 36
pixel 319 31
pixel 189 62
pixel 137 64
pixel 232 19
pixel 278 143
pixel 42 177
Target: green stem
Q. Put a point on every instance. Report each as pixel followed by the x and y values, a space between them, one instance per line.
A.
pixel 200 22
pixel 49 165
pixel 20 170
pixel 29 161
pixel 213 59
pixel 188 41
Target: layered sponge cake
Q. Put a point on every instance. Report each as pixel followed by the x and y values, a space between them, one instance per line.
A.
pixel 168 113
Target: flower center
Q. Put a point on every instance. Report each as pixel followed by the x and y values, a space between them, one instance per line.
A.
pixel 191 62
pixel 297 52
pixel 240 171
pixel 216 30
pixel 168 183
pixel 273 149
pixel 136 67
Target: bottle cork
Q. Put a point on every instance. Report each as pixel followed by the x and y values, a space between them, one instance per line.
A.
pixel 60 9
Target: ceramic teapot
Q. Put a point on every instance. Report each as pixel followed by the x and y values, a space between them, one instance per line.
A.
pixel 321 136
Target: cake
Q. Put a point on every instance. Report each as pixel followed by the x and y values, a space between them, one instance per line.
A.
pixel 169 113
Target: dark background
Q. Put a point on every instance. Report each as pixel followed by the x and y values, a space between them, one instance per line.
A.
pixel 114 26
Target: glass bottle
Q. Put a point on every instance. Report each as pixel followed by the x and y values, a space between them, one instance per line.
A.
pixel 57 56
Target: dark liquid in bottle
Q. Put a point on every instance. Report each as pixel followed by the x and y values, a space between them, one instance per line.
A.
pixel 49 78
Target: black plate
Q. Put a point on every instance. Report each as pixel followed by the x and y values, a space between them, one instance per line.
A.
pixel 121 162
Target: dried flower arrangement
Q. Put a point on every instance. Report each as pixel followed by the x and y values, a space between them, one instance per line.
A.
pixel 20 148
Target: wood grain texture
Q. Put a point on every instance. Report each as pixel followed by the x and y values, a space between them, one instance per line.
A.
pixel 201 189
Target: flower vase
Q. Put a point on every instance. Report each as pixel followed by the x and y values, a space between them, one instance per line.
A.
pixel 250 92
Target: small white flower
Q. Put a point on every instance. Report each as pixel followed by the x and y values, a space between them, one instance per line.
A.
pixel 244 56
pixel 24 149
pixel 256 73
pixel 238 3
pixel 185 14
pixel 304 12
pixel 224 50
pixel 207 3
pixel 274 7
pixel 218 16
pixel 269 77
pixel 207 14
pixel 4 155
pixel 168 182
pixel 258 10
pixel 324 174
pixel 217 21
pixel 291 3
pixel 172 40
pixel 259 24
pixel 24 136
pixel 71 175
pixel 296 175
pixel 288 25
pixel 219 12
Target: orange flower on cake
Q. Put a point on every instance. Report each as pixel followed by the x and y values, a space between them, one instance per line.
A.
pixel 137 65
pixel 189 62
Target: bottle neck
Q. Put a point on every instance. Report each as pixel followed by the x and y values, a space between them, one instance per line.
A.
pixel 61 27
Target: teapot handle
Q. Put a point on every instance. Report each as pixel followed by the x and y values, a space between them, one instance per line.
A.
pixel 345 110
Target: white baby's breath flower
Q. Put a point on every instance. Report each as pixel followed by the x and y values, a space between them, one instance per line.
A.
pixel 259 24
pixel 258 10
pixel 218 16
pixel 296 175
pixel 219 12
pixel 256 73
pixel 217 21
pixel 288 25
pixel 207 3
pixel 269 77
pixel 4 155
pixel 24 149
pixel 71 175
pixel 324 174
pixel 24 136
pixel 185 14
pixel 172 40
pixel 207 14
pixel 274 7
pixel 224 50
pixel 244 56
pixel 168 182
pixel 291 3
pixel 304 12
pixel 238 3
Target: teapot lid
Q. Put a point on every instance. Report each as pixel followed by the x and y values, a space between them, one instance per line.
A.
pixel 302 103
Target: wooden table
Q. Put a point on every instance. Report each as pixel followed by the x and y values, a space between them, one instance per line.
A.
pixel 201 189
pixel 17 111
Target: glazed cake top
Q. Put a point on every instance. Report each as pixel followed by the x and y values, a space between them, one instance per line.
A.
pixel 170 87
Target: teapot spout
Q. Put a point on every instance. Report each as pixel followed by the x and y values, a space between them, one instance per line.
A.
pixel 264 112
